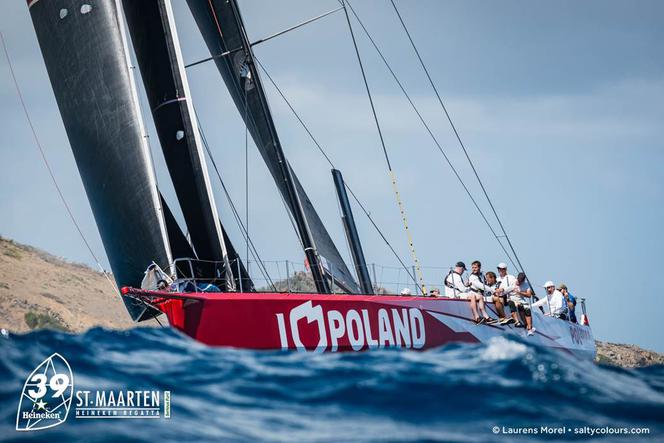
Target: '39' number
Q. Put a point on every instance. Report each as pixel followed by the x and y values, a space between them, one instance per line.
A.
pixel 57 383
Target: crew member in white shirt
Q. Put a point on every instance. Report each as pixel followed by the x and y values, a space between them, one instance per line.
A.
pixel 454 284
pixel 477 289
pixel 506 288
pixel 495 294
pixel 492 287
pixel 455 287
pixel 507 281
pixel 557 307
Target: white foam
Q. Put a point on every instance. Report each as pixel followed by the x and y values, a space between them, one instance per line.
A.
pixel 500 348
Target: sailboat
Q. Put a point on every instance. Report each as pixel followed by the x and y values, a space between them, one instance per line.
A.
pixel 198 279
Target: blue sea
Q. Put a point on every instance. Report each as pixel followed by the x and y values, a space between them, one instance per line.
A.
pixel 502 391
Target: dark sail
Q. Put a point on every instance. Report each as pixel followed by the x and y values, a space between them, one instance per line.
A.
pixel 221 25
pixel 84 50
pixel 180 246
pixel 154 37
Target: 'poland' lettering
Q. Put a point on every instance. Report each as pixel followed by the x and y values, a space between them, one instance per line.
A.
pixel 352 329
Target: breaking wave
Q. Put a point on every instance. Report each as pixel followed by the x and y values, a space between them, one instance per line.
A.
pixel 456 393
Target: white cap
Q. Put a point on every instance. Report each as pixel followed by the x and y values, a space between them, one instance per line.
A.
pixel 549 284
pixel 405 291
pixel 502 265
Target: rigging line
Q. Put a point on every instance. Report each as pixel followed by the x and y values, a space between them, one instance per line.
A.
pixel 48 166
pixel 236 215
pixel 322 151
pixel 291 185
pixel 207 59
pixel 456 133
pixel 223 40
pixel 262 40
pixel 433 137
pixel 292 28
pixel 254 251
pixel 393 177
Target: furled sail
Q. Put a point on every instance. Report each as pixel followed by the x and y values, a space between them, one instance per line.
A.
pixel 222 28
pixel 85 53
pixel 154 37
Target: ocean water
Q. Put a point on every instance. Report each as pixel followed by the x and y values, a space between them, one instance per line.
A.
pixel 456 393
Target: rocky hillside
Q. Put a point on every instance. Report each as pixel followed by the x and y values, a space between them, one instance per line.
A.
pixel 39 290
pixel 627 356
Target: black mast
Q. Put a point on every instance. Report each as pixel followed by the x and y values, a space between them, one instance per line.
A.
pixel 222 28
pixel 308 245
pixel 352 235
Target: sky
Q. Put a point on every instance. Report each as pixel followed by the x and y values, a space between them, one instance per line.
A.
pixel 560 104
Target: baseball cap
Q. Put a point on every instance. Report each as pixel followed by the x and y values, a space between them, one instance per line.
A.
pixel 548 284
pixel 461 264
pixel 502 265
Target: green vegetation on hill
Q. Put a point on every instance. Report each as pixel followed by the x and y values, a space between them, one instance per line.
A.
pixel 40 290
pixel 41 320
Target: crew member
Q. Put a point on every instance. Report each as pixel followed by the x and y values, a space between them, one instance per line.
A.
pixel 571 301
pixel 495 294
pixel 507 284
pixel 520 301
pixel 555 301
pixel 454 284
pixel 455 287
pixel 477 291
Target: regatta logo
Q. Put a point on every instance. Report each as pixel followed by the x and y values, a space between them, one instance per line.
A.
pixel 356 329
pixel 122 404
pixel 46 396
pixel 48 393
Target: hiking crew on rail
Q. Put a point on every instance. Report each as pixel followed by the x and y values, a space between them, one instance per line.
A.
pixel 506 290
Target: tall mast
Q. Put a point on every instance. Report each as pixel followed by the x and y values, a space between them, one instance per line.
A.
pixel 250 76
pixel 221 26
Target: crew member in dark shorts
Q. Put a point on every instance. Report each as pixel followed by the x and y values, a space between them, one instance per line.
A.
pixel 520 302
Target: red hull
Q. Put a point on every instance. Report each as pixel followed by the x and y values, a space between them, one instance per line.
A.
pixel 316 322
